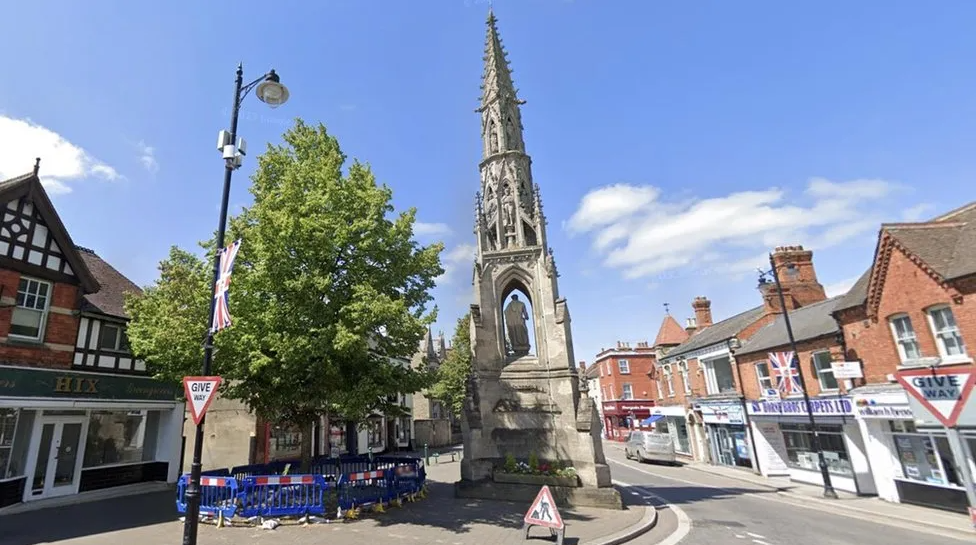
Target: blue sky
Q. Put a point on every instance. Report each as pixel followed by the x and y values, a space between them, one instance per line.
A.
pixel 674 142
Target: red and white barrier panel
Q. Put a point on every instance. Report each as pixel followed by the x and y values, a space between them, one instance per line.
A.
pixel 366 475
pixel 213 481
pixel 297 479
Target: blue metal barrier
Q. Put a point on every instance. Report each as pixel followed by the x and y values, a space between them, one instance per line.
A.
pixel 262 490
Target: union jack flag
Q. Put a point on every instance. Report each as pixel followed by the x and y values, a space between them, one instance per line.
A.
pixel 783 364
pixel 221 317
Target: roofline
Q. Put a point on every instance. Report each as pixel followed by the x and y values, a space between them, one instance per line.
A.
pixel 739 352
pixel 677 350
pixel 951 213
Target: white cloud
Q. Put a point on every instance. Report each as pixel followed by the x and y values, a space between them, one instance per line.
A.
pixel 431 229
pixel 917 212
pixel 840 287
pixel 456 260
pixel 61 161
pixel 643 235
pixel 147 156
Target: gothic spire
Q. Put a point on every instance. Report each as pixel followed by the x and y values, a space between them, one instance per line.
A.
pixel 497 78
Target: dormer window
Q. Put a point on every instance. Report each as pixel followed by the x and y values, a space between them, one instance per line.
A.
pixel 30 314
pixel 112 337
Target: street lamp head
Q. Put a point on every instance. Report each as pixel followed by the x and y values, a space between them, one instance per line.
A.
pixel 271 91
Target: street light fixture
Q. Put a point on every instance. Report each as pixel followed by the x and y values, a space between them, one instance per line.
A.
pixel 792 271
pixel 274 94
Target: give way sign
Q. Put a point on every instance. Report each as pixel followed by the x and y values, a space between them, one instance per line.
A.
pixel 942 390
pixel 200 392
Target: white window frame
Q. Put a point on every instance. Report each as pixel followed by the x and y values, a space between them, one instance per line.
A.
pixel 607 365
pixel 660 389
pixel 821 372
pixel 940 340
pixel 624 388
pixel 683 369
pixel 42 328
pixel 119 337
pixel 711 379
pixel 623 367
pixel 902 353
pixel 669 379
pixel 764 377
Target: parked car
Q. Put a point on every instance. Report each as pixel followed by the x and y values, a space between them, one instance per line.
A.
pixel 647 445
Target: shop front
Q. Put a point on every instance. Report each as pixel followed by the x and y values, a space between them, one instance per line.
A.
pixel 784 441
pixel 622 416
pixel 67 432
pixel 911 452
pixel 728 438
pixel 674 423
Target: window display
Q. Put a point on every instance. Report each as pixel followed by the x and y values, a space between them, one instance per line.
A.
pixel 801 454
pixel 925 457
pixel 118 437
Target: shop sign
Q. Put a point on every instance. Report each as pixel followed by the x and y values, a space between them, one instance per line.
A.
pixel 883 407
pixel 846 369
pixel 838 406
pixel 722 414
pixel 24 382
pixel 626 407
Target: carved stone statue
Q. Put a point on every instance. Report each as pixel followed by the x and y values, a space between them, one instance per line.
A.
pixel 518 332
pixel 508 207
pixel 492 137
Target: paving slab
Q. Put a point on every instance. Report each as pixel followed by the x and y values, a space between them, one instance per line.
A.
pixel 151 519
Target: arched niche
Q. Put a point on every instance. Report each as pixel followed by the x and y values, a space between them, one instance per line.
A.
pixel 520 288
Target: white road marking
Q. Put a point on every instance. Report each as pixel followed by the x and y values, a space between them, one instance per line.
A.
pixel 684 521
pixel 760 542
pixel 757 536
pixel 740 536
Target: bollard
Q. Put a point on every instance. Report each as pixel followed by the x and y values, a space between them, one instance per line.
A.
pixel 371 454
pixel 426 455
pixel 436 456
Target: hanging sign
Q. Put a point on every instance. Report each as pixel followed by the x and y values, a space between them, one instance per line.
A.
pixel 943 391
pixel 846 369
pixel 200 391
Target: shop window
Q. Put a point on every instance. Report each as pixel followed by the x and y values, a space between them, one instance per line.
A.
pixel 926 457
pixel 801 455
pixel 30 313
pixel 337 437
pixel 623 366
pixel 762 373
pixel 683 445
pixel 628 392
pixel 118 438
pixel 823 370
pixel 718 376
pixel 8 428
pixel 946 332
pixel 904 334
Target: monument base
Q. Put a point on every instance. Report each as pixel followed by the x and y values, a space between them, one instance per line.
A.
pixel 564 496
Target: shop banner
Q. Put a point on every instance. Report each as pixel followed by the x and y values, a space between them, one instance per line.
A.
pixel 883 406
pixel 726 413
pixel 837 406
pixel 617 407
pixel 24 382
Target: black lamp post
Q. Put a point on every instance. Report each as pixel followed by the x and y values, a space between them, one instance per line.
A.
pixel 829 491
pixel 274 94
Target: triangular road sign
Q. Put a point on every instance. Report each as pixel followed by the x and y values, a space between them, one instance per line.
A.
pixel 543 511
pixel 942 390
pixel 200 391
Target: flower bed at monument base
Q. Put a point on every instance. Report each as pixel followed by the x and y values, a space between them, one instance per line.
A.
pixel 537 480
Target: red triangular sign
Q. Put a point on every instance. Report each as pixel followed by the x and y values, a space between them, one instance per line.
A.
pixel 200 391
pixel 543 511
pixel 942 390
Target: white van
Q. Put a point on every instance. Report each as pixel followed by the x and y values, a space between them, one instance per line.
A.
pixel 647 445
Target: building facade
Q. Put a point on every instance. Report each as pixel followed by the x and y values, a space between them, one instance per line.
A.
pixel 77 412
pixel 914 308
pixel 433 422
pixel 626 388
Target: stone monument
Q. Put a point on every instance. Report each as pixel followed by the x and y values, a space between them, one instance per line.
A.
pixel 524 395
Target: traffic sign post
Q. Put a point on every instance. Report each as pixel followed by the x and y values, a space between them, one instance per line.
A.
pixel 543 512
pixel 944 391
pixel 200 392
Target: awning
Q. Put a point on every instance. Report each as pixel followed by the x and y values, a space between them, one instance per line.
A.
pixel 651 419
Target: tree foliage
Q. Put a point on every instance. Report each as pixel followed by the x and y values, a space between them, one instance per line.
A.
pixel 452 376
pixel 329 291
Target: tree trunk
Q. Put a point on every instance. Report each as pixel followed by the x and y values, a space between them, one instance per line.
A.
pixel 307 438
pixel 327 430
pixel 352 438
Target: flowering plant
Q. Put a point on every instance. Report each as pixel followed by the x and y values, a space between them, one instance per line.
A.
pixel 534 467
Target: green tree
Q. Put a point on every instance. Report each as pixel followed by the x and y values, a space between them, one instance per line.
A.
pixel 329 293
pixel 452 376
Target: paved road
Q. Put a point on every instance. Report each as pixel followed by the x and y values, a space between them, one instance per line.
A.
pixel 728 511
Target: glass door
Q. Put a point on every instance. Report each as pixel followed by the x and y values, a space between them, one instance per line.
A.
pixel 726 448
pixel 56 460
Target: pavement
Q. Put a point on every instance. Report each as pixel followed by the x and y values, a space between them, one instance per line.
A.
pixel 702 504
pixel 151 519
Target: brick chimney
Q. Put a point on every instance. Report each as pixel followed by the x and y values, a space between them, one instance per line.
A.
pixel 794 265
pixel 703 312
pixel 691 326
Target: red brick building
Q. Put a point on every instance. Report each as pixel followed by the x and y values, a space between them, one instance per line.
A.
pixel 626 387
pixel 77 411
pixel 915 307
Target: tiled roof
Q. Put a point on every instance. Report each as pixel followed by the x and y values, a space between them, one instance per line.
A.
pixel 593 371
pixel 670 333
pixel 809 322
pixel 715 333
pixel 110 298
pixel 945 244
